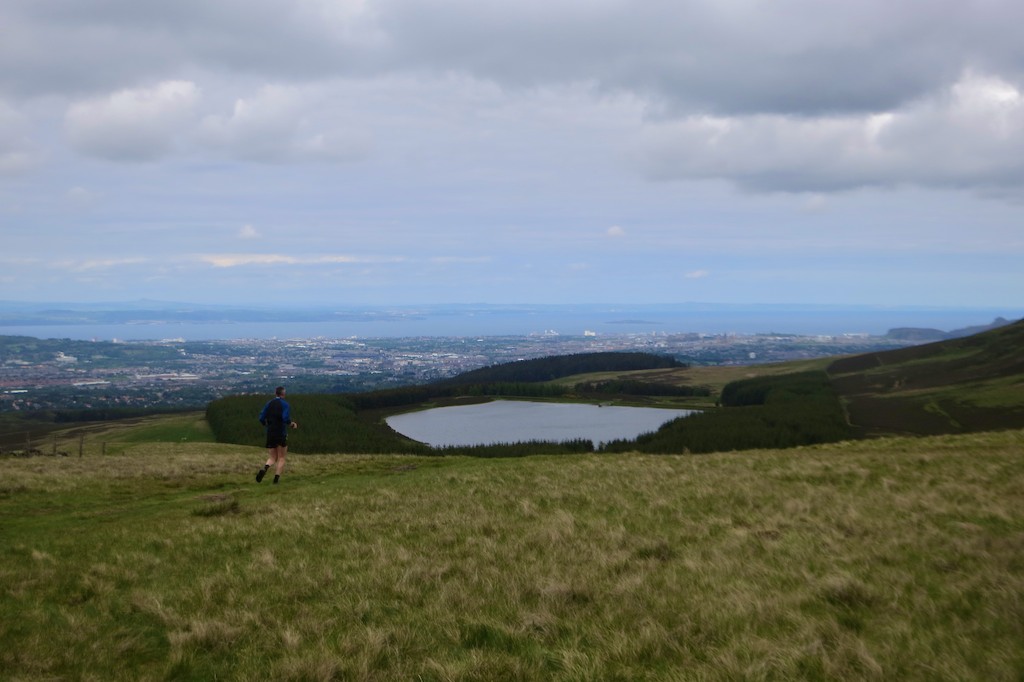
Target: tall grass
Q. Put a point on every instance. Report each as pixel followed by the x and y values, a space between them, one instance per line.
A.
pixel 889 559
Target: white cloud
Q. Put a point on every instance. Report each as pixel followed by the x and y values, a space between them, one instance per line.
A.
pixel 248 232
pixel 140 124
pixel 697 274
pixel 88 264
pixel 814 203
pixel 234 260
pixel 281 124
pixel 615 231
pixel 237 260
pixel 80 198
pixel 467 260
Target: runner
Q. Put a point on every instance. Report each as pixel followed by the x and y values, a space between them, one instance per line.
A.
pixel 277 417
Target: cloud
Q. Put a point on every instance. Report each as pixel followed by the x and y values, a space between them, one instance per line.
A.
pixel 248 232
pixel 615 231
pixel 17 152
pixel 281 124
pixel 467 260
pixel 247 259
pixel 76 265
pixel 80 198
pixel 792 57
pixel 970 135
pixel 697 274
pixel 721 58
pixel 770 96
pixel 237 260
pixel 90 47
pixel 140 124
pixel 814 203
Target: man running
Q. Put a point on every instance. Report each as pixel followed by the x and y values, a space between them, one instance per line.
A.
pixel 277 417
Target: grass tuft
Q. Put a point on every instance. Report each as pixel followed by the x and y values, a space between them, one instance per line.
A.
pixel 218 505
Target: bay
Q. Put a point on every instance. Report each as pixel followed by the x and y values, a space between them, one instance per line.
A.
pixel 439 321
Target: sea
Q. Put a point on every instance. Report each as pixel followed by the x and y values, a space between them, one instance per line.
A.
pixel 542 321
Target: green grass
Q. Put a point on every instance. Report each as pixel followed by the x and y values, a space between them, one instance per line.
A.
pixel 885 559
pixel 714 377
pixel 191 427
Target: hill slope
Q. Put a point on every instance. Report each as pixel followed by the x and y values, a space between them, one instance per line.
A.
pixel 560 366
pixel 882 560
pixel 975 383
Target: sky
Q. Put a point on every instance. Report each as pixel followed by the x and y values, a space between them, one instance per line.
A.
pixel 309 152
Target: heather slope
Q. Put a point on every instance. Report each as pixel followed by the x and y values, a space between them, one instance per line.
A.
pixel 969 384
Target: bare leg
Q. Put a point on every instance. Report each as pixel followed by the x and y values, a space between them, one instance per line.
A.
pixel 280 454
pixel 271 458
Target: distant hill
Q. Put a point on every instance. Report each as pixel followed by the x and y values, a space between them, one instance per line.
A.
pixel 927 334
pixel 965 384
pixel 559 366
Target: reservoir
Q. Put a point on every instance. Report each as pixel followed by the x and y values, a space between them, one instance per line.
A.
pixel 512 421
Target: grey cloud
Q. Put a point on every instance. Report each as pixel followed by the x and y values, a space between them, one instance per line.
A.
pixel 799 57
pixel 91 46
pixel 972 136
pixel 17 152
pixel 794 56
pixel 796 81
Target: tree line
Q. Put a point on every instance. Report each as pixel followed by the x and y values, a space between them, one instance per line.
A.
pixel 766 412
pixel 560 366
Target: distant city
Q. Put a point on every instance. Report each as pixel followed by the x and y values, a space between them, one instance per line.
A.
pixel 152 355
pixel 66 374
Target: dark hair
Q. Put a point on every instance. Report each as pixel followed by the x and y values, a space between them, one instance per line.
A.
pixel 279 390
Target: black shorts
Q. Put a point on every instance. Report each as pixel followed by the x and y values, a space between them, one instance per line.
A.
pixel 277 439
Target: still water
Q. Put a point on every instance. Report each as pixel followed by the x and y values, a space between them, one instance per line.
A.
pixel 511 421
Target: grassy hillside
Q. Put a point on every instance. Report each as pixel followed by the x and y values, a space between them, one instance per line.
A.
pixel 962 385
pixel 884 559
pixel 782 411
pixel 714 377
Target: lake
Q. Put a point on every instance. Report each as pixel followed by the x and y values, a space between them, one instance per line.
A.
pixel 511 421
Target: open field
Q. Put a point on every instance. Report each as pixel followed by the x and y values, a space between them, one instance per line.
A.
pixel 883 559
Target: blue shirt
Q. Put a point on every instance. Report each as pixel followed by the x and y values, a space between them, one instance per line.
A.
pixel 276 414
